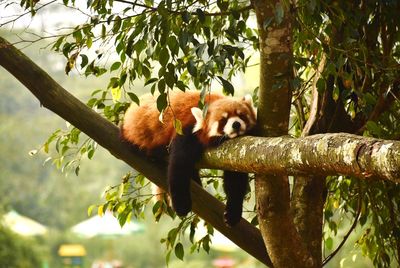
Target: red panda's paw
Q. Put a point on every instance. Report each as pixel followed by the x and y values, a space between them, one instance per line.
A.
pixel 232 216
pixel 182 205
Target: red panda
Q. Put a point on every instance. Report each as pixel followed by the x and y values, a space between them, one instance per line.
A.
pixel 225 118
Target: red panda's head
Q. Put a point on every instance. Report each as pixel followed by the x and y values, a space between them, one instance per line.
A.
pixel 225 117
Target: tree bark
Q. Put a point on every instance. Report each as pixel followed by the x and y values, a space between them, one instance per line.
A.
pixel 52 96
pixel 308 195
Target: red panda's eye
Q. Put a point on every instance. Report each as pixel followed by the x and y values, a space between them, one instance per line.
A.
pixel 222 121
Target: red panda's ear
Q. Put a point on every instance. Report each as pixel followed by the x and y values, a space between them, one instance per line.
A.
pixel 247 98
pixel 198 115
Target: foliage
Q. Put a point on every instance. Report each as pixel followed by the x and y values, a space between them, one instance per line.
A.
pixel 131 198
pixel 361 71
pixel 16 251
pixel 345 51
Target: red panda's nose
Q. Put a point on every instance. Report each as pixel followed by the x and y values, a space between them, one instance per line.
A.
pixel 236 125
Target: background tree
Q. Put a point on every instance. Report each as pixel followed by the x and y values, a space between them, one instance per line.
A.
pixel 17 251
pixel 334 63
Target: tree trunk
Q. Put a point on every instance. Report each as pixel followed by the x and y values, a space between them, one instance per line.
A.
pixel 308 195
pixel 281 238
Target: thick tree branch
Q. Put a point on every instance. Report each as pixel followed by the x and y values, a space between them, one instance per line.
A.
pixel 321 154
pixel 52 96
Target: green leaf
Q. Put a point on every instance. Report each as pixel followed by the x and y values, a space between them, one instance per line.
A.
pixel 329 243
pixel 100 210
pixel 77 170
pixel 156 208
pixel 172 235
pixel 181 85
pixel 122 217
pixel 161 86
pixel 117 24
pixel 103 31
pixel 331 68
pixel 222 5
pixel 146 72
pixel 121 190
pixel 169 79
pixel 201 15
pixel 90 209
pixel 89 42
pixel 206 243
pixel 186 16
pixel 150 81
pixel 167 257
pixel 320 85
pixel 134 98
pixel 191 67
pixel 200 50
pixel 162 102
pixel 335 93
pixel 179 251
pixel 164 56
pixel 193 226
pixel 116 93
pixel 227 86
pixel 173 45
pixel 183 39
pixel 84 60
pixel 115 66
pixel 178 126
pixel 58 43
pixel 374 128
pixel 91 153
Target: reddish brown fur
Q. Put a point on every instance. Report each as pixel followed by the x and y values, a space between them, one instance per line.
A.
pixel 142 126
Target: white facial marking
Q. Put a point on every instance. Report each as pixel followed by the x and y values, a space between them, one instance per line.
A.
pixel 230 131
pixel 225 115
pixel 214 130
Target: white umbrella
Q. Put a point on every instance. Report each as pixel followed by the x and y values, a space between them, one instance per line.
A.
pixel 107 225
pixel 23 225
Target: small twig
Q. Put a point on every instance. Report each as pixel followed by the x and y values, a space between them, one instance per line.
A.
pixel 315 98
pixel 26 13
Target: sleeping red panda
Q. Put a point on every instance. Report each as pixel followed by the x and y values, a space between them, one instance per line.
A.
pixel 226 118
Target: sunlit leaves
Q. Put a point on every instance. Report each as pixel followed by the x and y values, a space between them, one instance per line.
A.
pixel 161 46
pixel 180 37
